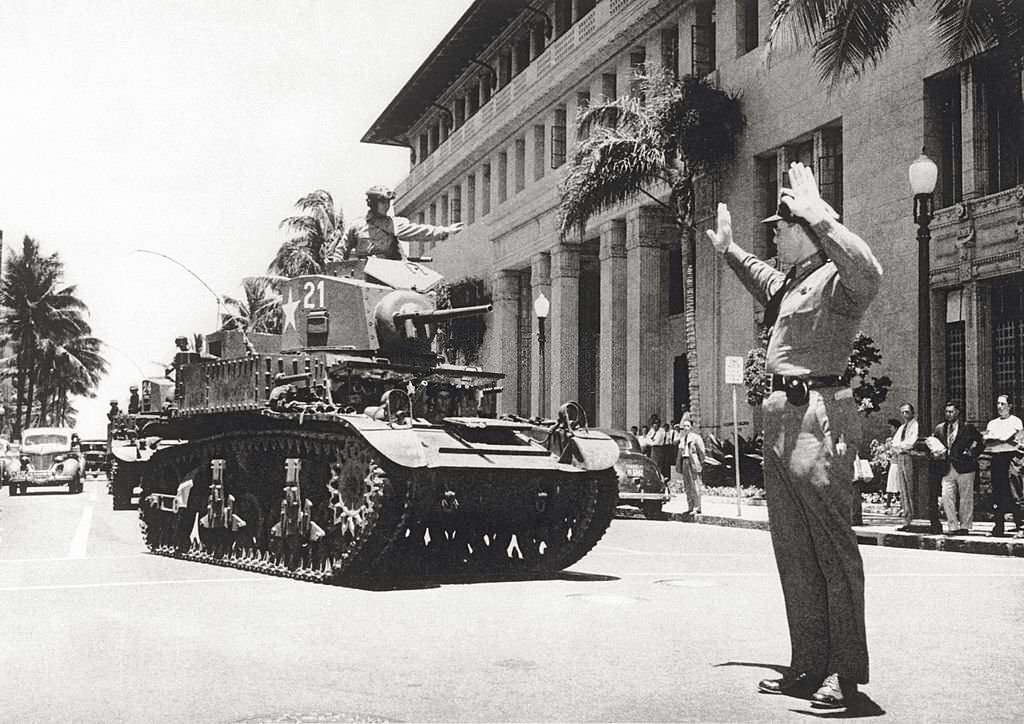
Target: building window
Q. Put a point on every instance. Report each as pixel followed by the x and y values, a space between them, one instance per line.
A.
pixel 502 176
pixel 558 138
pixel 768 187
pixel 433 214
pixel 444 209
pixel 563 17
pixel 504 68
pixel 1002 110
pixel 460 111
pixel 539 133
pixel 485 89
pixel 485 189
pixel 637 61
pixel 830 168
pixel 609 86
pixel 538 39
pixel 520 164
pixel 675 279
pixel 1008 337
pixel 432 138
pixel 747 33
pixel 471 198
pixel 956 362
pixel 521 49
pixel 944 135
pixel 424 152
pixel 421 218
pixel 473 101
pixel 670 50
pixel 582 101
pixel 702 37
pixel 456 215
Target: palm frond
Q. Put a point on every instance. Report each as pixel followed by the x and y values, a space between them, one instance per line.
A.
pixel 609 170
pixel 796 24
pixel 621 113
pixel 859 34
pixel 964 28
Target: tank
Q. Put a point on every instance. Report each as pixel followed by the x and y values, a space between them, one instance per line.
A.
pixel 346 449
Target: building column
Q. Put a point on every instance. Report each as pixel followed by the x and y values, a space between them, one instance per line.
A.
pixel 644 315
pixel 540 283
pixel 505 323
pixel 612 382
pixel 565 324
pixel 973 163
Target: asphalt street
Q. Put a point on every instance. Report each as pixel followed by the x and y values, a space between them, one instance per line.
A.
pixel 663 621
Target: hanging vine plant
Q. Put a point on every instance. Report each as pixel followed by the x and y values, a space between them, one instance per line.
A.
pixel 459 340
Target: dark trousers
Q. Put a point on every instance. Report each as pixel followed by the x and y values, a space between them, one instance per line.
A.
pixel 808 486
pixel 1003 498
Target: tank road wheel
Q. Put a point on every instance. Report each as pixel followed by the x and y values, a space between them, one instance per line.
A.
pixel 357 486
pixel 577 532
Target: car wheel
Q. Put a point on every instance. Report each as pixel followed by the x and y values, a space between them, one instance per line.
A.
pixel 651 509
pixel 12 489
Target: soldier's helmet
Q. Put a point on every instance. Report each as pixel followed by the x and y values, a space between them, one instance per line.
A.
pixel 133 388
pixel 380 192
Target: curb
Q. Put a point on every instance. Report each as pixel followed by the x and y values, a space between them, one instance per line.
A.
pixel 869 535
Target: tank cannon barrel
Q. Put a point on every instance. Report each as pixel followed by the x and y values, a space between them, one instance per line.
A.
pixel 442 315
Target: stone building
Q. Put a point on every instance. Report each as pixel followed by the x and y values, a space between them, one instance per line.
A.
pixel 489 121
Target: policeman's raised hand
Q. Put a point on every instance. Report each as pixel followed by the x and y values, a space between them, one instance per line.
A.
pixel 721 237
pixel 454 228
pixel 802 196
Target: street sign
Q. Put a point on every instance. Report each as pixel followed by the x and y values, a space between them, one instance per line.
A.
pixel 733 370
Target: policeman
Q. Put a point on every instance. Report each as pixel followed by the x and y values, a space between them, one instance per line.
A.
pixel 379 233
pixel 810 430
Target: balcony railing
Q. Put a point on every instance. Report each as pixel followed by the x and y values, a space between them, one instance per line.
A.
pixel 585 45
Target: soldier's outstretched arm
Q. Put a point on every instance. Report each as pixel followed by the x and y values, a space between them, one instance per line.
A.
pixel 760 279
pixel 406 230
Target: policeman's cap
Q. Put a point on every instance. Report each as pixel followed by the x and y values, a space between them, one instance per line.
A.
pixel 380 192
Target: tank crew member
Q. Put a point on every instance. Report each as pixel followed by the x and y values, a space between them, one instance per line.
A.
pixel 811 427
pixel 133 400
pixel 379 233
pixel 113 412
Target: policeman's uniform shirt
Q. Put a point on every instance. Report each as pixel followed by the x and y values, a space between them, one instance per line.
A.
pixel 823 304
pixel 377 235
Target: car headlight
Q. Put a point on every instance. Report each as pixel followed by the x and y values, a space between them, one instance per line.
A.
pixel 60 458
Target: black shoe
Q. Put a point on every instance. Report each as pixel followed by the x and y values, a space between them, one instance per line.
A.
pixel 903 529
pixel 963 531
pixel 787 684
pixel 834 693
pixel 997 534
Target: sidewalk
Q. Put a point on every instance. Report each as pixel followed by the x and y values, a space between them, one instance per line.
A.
pixel 878 529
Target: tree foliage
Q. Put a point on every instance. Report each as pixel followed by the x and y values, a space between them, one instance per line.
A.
pixel 259 310
pixel 460 339
pixel 849 36
pixel 318 230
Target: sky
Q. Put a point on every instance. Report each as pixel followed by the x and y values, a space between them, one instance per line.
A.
pixel 189 129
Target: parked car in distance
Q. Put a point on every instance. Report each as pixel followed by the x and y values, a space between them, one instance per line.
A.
pixel 46 458
pixel 94 458
pixel 640 482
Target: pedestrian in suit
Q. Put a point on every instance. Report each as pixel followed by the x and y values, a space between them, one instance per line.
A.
pixel 811 431
pixel 960 466
pixel 690 464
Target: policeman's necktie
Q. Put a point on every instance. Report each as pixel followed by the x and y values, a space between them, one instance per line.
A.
pixel 771 309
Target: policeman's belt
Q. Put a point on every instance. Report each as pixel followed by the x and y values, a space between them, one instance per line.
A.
pixel 788 382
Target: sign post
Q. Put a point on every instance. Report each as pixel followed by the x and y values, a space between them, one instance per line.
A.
pixel 734 377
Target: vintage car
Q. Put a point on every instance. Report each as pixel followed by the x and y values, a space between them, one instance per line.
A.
pixel 640 483
pixel 46 458
pixel 94 458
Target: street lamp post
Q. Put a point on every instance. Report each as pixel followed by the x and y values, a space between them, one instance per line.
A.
pixel 923 175
pixel 541 307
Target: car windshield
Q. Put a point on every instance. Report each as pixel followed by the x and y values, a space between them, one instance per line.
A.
pixel 50 438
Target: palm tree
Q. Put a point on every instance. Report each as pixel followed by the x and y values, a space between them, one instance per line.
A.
pixel 319 229
pixel 41 319
pixel 259 311
pixel 849 35
pixel 681 130
pixel 70 366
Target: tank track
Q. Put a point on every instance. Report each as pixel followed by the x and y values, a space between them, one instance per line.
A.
pixel 356 516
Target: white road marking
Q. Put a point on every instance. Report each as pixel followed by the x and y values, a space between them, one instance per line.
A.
pixel 64 560
pixel 81 537
pixel 123 584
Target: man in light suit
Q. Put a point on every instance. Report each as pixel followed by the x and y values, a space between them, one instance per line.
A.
pixel 960 466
